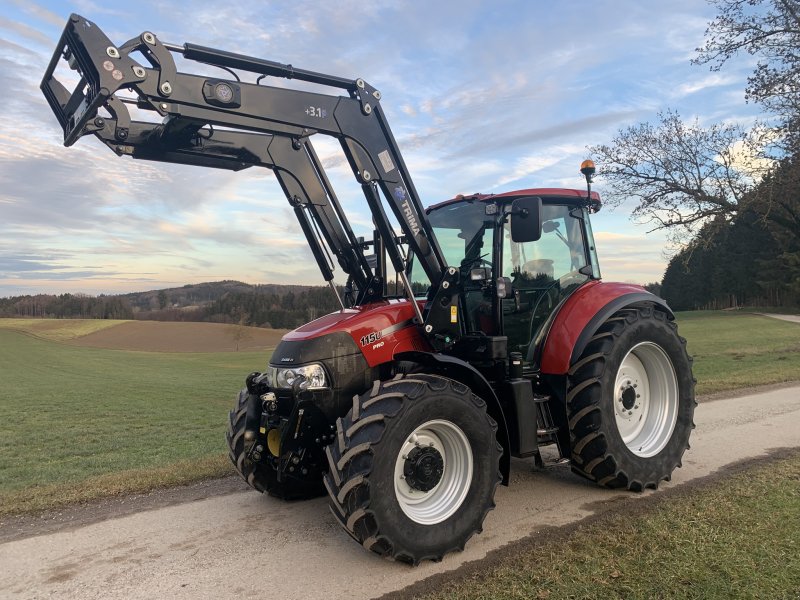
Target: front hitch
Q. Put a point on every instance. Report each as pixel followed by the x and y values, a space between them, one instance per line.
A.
pixel 291 441
pixel 257 388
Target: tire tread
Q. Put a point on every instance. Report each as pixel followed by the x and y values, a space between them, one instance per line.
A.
pixel 592 455
pixel 347 482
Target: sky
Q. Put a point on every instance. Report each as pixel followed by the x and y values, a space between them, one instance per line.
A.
pixel 481 96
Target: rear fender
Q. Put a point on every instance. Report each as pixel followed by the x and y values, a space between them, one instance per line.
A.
pixel 582 315
pixel 458 370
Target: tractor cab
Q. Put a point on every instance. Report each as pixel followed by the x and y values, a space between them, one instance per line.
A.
pixel 516 274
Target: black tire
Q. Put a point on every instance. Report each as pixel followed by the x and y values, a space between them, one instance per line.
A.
pixel 260 476
pixel 371 441
pixel 604 403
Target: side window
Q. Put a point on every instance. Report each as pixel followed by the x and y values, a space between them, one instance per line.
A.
pixel 538 272
pixel 558 252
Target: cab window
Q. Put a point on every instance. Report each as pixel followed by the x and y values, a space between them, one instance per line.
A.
pixel 560 250
pixel 542 274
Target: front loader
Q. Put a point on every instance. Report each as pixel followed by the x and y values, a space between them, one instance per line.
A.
pixel 470 332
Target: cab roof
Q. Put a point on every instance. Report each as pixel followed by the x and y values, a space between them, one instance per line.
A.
pixel 561 193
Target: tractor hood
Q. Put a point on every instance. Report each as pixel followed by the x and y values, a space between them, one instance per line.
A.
pixel 358 322
pixel 378 330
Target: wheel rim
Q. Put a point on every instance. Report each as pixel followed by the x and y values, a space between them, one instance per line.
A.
pixel 433 472
pixel 646 399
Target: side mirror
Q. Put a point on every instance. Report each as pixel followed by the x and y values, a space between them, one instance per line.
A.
pixel 526 219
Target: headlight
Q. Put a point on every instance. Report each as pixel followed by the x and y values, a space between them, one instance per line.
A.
pixel 280 377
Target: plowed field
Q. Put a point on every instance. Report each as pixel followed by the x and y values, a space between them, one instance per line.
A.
pixel 156 336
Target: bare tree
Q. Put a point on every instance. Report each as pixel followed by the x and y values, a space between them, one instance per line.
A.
pixel 769 30
pixel 681 175
pixel 239 331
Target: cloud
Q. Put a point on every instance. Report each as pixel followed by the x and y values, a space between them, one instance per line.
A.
pixel 24 263
pixel 40 13
pixel 25 31
pixel 479 96
pixel 709 81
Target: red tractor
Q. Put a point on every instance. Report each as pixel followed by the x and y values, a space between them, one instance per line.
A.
pixel 478 331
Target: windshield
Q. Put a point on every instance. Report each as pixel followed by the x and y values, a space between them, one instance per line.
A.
pixel 541 273
pixel 464 233
pixel 559 251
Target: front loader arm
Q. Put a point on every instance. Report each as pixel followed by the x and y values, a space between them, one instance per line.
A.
pixel 193 106
pixel 297 169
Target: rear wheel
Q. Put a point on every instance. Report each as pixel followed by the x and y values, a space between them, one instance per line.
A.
pixel 260 475
pixel 630 401
pixel 414 468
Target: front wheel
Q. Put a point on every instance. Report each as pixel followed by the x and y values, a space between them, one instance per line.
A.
pixel 631 401
pixel 414 468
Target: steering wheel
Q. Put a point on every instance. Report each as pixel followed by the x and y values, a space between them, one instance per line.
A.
pixel 476 263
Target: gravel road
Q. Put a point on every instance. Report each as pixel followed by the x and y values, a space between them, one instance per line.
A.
pixel 246 545
pixel 790 318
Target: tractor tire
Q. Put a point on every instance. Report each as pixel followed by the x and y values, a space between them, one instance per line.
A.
pixel 630 401
pixel 260 476
pixel 414 468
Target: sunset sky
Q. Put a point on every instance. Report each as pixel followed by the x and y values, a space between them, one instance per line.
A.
pixel 482 97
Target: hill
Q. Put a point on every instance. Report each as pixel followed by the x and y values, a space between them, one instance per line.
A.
pixel 264 305
pixel 203 294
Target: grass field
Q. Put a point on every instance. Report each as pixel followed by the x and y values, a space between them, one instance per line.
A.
pixel 734 350
pixel 80 422
pixel 58 330
pixel 736 538
pixel 77 423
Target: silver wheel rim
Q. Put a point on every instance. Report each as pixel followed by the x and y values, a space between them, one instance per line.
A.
pixel 646 399
pixel 439 503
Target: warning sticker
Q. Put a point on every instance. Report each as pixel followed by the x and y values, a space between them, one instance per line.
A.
pixel 386 161
pixel 454 314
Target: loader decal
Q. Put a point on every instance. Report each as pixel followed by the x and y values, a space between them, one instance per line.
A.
pixel 386 161
pixel 409 214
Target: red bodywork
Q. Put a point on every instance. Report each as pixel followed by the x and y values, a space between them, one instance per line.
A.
pixel 383 329
pixel 392 319
pixel 563 193
pixel 574 316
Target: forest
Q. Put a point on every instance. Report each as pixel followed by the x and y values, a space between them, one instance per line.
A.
pixel 751 260
pixel 727 196
pixel 277 306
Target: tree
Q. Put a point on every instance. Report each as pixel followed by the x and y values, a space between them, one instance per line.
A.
pixel 654 287
pixel 779 209
pixel 162 299
pixel 729 265
pixel 769 30
pixel 681 175
pixel 238 331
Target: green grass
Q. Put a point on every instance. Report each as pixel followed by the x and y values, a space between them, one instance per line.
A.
pixel 77 423
pixel 737 538
pixel 59 330
pixel 733 350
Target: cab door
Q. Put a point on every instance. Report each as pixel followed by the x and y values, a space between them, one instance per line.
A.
pixel 542 274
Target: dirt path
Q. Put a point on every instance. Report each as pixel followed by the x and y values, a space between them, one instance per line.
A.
pixel 250 546
pixel 790 318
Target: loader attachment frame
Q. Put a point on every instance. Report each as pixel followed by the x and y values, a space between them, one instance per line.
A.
pixel 232 124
